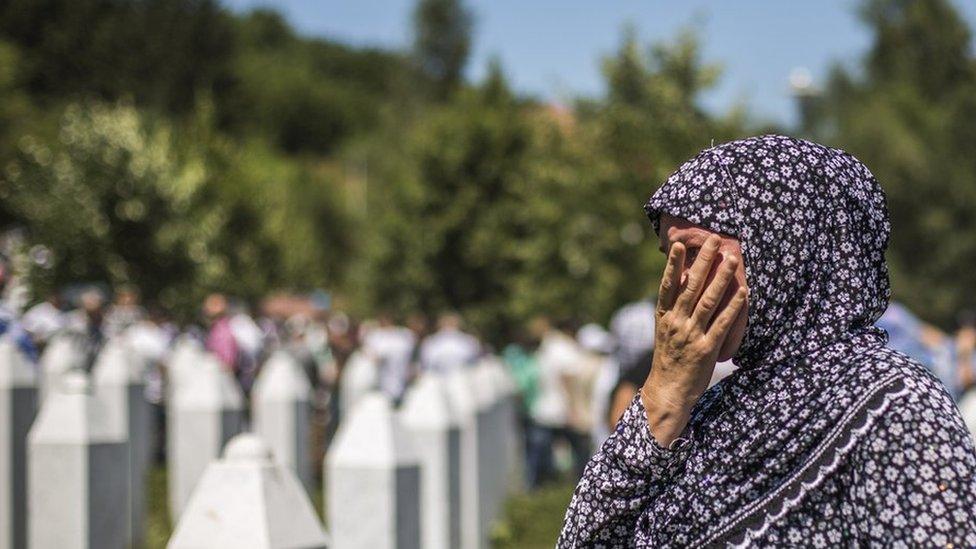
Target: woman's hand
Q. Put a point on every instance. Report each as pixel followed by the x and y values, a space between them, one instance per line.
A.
pixel 689 331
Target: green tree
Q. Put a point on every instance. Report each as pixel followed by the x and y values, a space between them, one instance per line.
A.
pixel 649 123
pixel 305 95
pixel 117 197
pixel 159 53
pixel 442 43
pixel 504 208
pixel 16 111
pixel 435 203
pixel 909 118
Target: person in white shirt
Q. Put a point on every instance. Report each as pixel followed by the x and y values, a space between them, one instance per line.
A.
pixel 124 312
pixel 392 346
pixel 44 320
pixel 151 339
pixel 449 348
pixel 559 360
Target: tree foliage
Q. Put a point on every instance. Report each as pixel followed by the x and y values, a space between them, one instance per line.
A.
pixel 117 197
pixel 505 209
pixel 909 116
pixel 181 147
pixel 157 52
pixel 442 43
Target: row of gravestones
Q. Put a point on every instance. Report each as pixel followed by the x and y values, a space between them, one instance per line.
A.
pixel 433 475
pixel 73 450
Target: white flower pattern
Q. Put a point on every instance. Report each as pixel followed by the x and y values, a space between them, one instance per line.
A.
pixel 824 436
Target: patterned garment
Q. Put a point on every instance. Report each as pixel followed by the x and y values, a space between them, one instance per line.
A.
pixel 823 436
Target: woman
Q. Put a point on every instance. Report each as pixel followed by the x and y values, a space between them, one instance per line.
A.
pixel 823 436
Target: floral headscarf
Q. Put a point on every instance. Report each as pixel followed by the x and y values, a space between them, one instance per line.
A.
pixel 813 227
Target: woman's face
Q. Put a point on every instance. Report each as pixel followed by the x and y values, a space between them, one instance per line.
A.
pixel 692 236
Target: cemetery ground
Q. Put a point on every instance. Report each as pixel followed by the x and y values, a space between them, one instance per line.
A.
pixel 531 520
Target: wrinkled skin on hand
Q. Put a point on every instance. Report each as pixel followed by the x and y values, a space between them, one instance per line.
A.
pixel 700 319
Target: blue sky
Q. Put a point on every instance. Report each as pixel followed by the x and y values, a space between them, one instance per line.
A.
pixel 552 49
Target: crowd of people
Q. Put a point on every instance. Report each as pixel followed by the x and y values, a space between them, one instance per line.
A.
pixel 573 381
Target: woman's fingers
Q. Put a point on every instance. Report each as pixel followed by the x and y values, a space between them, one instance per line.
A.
pixel 671 281
pixel 713 294
pixel 723 322
pixel 697 274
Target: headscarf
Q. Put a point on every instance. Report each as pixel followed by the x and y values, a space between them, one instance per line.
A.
pixel 813 370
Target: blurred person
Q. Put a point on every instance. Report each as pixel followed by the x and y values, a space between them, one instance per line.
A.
pixel 559 360
pixel 921 341
pixel 965 351
pixel 823 436
pixel 342 337
pixel 519 357
pixel 342 343
pixel 582 383
pixel 44 320
pixel 10 326
pixel 87 322
pixel 600 343
pixel 628 383
pixel 632 326
pixel 125 311
pixel 449 348
pixel 420 326
pixel 904 331
pixel 250 338
pixel 322 371
pixel 151 338
pixel 317 337
pixel 220 340
pixel 294 340
pixel 392 346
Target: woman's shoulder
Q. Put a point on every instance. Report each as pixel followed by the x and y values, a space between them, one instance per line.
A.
pixel 916 399
pixel 917 382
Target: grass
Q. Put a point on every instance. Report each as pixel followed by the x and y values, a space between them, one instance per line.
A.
pixel 158 527
pixel 533 520
pixel 529 521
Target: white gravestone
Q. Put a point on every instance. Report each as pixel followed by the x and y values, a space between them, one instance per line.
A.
pixel 359 377
pixel 183 361
pixel 491 449
pixel 18 405
pixel 434 429
pixel 119 380
pixel 464 401
pixel 63 353
pixel 248 500
pixel 208 410
pixel 507 393
pixel 76 472
pixel 373 487
pixel 281 406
